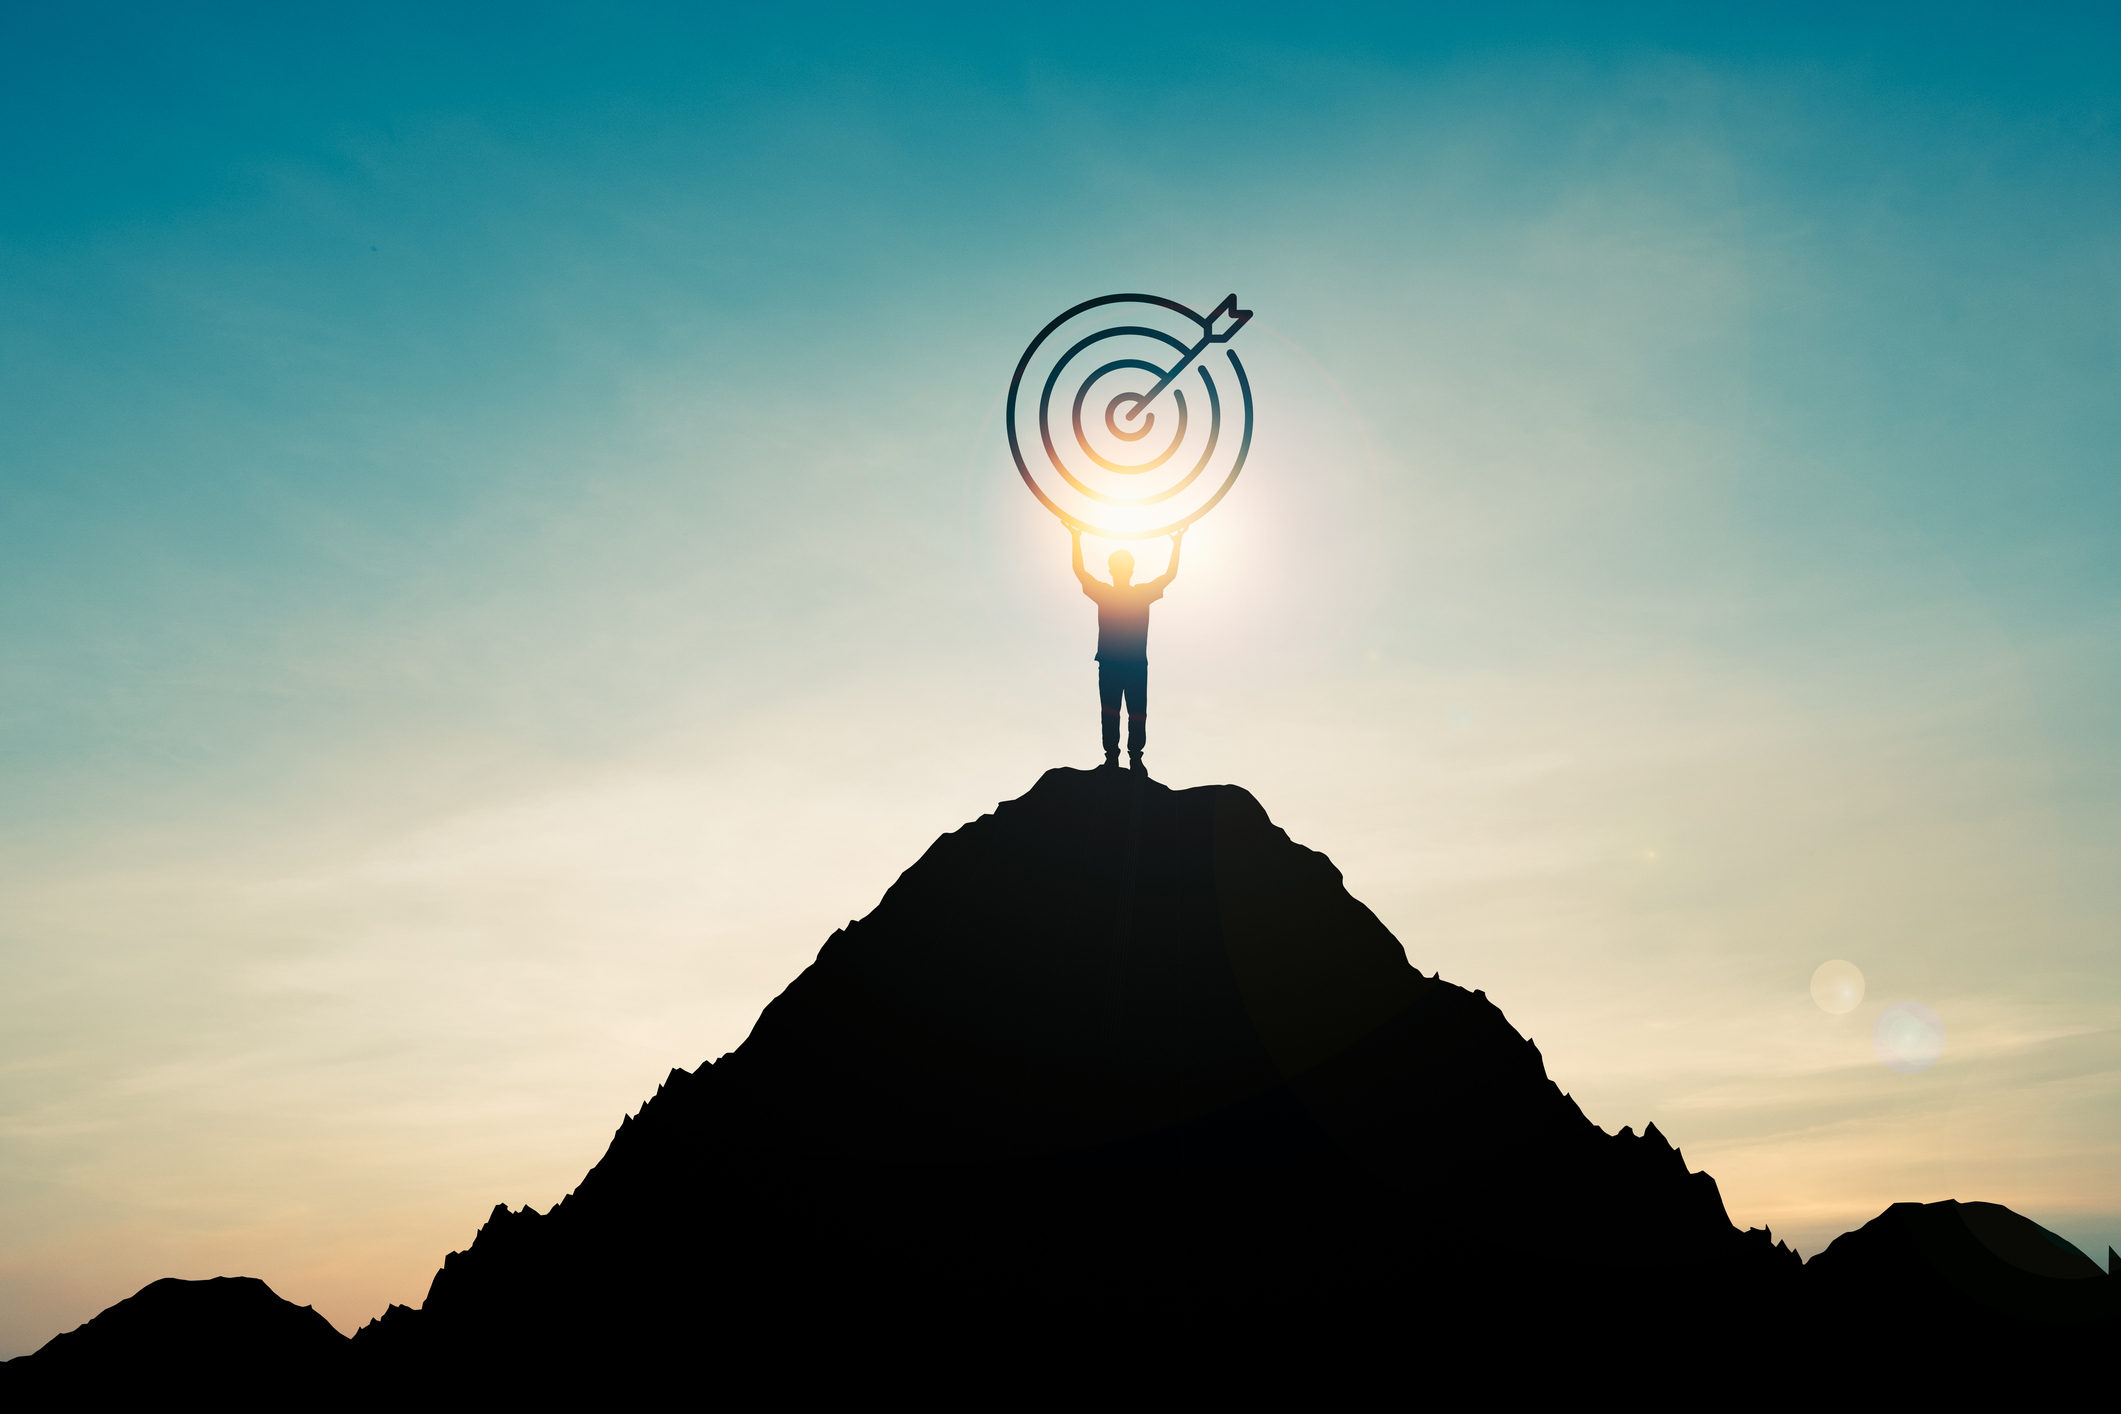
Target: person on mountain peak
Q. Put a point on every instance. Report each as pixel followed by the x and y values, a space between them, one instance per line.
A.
pixel 1123 644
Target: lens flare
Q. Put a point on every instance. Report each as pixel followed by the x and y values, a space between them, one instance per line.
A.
pixel 1837 986
pixel 1908 1037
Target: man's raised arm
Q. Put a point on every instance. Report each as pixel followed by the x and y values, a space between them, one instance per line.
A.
pixel 1163 581
pixel 1075 535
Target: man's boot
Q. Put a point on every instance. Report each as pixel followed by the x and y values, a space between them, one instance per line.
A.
pixel 1134 762
pixel 1112 757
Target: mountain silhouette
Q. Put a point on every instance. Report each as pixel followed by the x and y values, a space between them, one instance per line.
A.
pixel 234 1332
pixel 1119 1077
pixel 1112 1044
pixel 1967 1267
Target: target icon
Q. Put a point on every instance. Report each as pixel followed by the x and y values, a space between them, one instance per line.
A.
pixel 1136 430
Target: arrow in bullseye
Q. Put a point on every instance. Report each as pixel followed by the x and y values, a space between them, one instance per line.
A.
pixel 1238 320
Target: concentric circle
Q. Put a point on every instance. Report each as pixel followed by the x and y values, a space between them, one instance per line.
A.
pixel 1139 452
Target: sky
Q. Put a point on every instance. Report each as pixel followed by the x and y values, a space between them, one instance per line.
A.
pixel 506 542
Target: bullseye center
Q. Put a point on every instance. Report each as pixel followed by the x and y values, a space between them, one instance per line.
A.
pixel 1134 402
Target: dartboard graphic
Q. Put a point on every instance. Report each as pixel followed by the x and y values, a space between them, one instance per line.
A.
pixel 1122 420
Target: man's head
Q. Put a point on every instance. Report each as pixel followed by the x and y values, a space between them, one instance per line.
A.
pixel 1122 565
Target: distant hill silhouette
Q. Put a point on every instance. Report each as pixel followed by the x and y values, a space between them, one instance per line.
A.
pixel 231 1334
pixel 1120 1076
pixel 1966 1267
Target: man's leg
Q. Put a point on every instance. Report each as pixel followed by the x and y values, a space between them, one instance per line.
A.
pixel 1137 709
pixel 1110 681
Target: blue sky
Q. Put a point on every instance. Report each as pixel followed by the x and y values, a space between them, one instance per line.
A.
pixel 505 543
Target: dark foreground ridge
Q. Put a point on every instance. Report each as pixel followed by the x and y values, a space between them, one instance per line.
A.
pixel 1122 1076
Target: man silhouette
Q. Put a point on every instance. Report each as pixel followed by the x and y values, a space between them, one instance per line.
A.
pixel 1123 644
